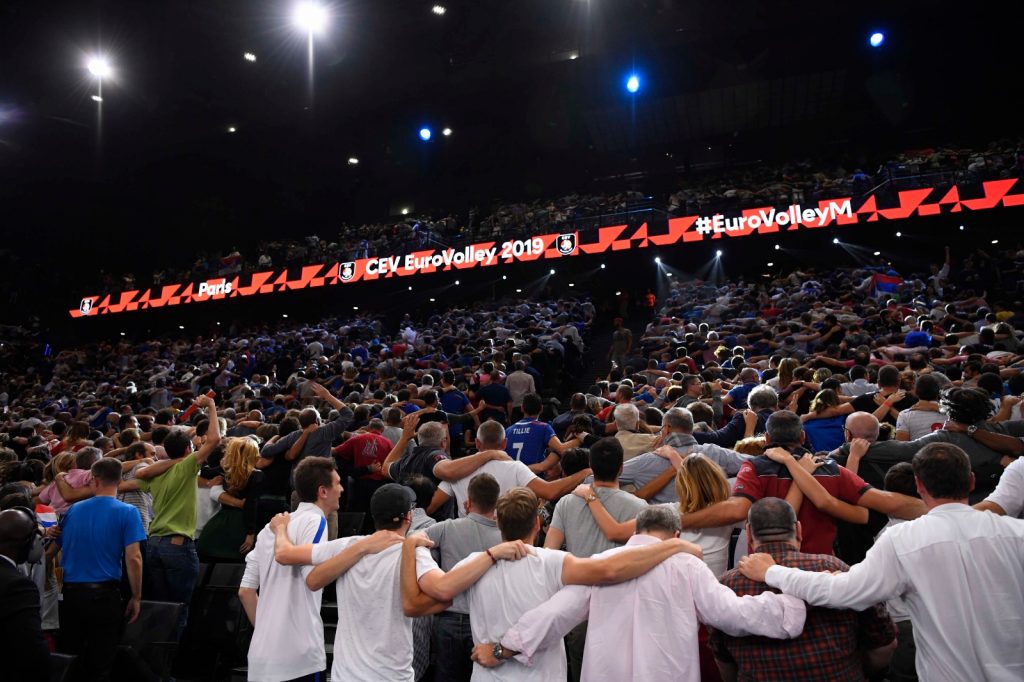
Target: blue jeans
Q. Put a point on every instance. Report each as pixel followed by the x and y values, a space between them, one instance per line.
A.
pixel 454 643
pixel 170 573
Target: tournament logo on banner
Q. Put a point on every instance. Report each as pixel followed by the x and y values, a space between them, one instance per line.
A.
pixel 567 244
pixel 346 271
pixel 85 306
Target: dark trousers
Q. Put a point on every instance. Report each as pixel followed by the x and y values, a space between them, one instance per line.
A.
pixel 902 667
pixel 91 622
pixel 312 677
pixel 170 573
pixel 454 644
pixel 575 641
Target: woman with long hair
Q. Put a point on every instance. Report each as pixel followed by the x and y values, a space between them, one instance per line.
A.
pixel 231 532
pixel 77 437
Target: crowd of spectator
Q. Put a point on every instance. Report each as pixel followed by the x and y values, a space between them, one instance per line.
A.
pixel 815 475
pixel 700 192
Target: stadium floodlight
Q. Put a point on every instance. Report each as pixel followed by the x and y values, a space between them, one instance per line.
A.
pixel 97 98
pixel 310 17
pixel 519 291
pixel 405 211
pixel 504 277
pixel 618 293
pixel 657 259
pixel 284 315
pixel 249 57
pixel 439 10
pixel 899 234
pixel 181 326
pixel 410 288
pixel 457 282
pixel 633 83
pixel 447 132
pixel 878 253
pixel 432 300
pixel 551 271
pixel 995 241
pixel 353 161
pixel 835 240
pixel 602 266
pixel 876 39
pixel 571 284
pixel 771 264
pixel 355 307
pixel 425 134
pixel 232 129
pixel 99 67
pixel 718 254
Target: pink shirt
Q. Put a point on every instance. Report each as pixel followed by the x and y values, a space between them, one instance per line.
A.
pixel 646 629
pixel 50 495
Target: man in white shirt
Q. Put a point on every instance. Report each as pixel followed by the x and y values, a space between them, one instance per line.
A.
pixel 374 640
pixel 288 636
pixel 1008 497
pixel 647 629
pixel 957 569
pixel 504 594
pixel 509 474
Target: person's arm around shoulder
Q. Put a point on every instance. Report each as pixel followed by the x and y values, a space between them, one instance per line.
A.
pixel 625 565
pixel 71 495
pixel 452 470
pixel 213 431
pixel 409 423
pixel 333 568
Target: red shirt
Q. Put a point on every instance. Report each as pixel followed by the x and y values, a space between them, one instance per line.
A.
pixel 760 477
pixel 363 450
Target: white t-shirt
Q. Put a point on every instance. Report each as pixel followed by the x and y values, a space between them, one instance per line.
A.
pixel 288 640
pixel 1009 493
pixel 918 423
pixel 509 474
pixel 501 596
pixel 373 641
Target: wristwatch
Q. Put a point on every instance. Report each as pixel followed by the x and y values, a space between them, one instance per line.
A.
pixel 590 498
pixel 971 429
pixel 499 652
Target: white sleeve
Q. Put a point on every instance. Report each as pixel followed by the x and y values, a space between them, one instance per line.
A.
pixel 545 625
pixel 523 474
pixel 876 579
pixel 770 615
pixel 424 562
pixel 328 550
pixel 215 493
pixel 251 577
pixel 1009 493
pixel 446 488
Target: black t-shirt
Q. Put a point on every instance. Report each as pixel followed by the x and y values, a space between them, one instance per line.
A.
pixel 421 460
pixel 494 394
pixel 866 403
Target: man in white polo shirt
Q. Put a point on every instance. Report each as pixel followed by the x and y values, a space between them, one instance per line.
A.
pixel 509 474
pixel 373 641
pixel 288 638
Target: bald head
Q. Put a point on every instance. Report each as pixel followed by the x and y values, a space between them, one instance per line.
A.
pixel 15 529
pixel 863 425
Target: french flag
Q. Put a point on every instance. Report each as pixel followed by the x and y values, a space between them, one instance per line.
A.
pixel 47 515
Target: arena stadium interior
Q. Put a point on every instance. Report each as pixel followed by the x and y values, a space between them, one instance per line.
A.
pixel 552 339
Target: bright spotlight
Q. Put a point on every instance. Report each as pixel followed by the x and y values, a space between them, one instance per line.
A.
pixel 995 241
pixel 447 132
pixel 668 274
pixel 439 10
pixel 899 234
pixel 777 247
pixel 410 288
pixel 425 134
pixel 432 300
pixel 504 277
pixel 355 307
pixel 878 253
pixel 405 211
pixel 99 67
pixel 633 83
pixel 771 264
pixel 876 39
pixel 519 291
pixel 456 282
pixel 310 17
pixel 571 284
pixel 835 240
pixel 284 315
pixel 551 271
pixel 962 228
pixel 657 259
pixel 122 333
pixel 353 161
pixel 602 266
pixel 249 57
pixel 181 326
pixel 718 254
pixel 618 293
pixel 97 98
pixel 232 129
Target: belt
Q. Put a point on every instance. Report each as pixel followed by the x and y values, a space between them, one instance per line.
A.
pixel 455 615
pixel 173 539
pixel 93 586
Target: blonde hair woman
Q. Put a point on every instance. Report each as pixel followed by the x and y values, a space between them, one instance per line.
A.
pixel 231 532
pixel 786 368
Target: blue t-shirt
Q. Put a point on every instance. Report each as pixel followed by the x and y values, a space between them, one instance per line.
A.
pixel 528 440
pixel 739 395
pixel 94 534
pixel 453 402
pixel 917 338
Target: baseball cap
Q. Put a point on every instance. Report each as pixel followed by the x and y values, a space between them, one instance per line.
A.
pixel 391 501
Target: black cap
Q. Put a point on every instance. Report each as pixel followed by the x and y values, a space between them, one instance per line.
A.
pixel 391 502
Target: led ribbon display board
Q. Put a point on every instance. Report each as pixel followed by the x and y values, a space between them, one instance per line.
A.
pixel 840 212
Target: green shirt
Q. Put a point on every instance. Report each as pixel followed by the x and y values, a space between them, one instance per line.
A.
pixel 174 499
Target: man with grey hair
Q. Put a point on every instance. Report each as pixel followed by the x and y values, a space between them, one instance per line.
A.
pixel 763 477
pixel 658 469
pixel 509 473
pixel 835 644
pixel 428 456
pixel 628 433
pixel 627 622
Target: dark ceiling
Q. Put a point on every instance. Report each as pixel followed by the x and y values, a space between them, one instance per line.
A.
pixel 722 82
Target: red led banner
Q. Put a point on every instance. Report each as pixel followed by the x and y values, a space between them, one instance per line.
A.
pixel 914 202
